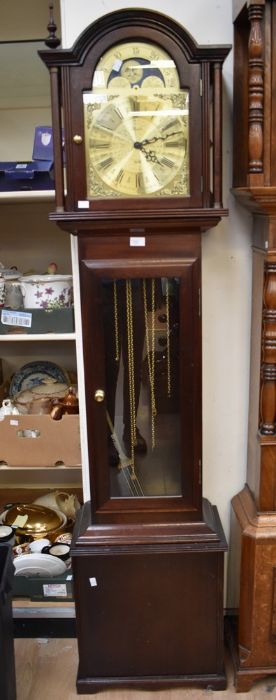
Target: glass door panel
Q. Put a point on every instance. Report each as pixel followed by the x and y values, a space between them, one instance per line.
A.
pixel 141 344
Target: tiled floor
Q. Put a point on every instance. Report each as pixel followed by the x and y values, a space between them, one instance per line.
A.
pixel 46 670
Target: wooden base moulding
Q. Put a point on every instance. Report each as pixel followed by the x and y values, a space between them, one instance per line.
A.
pixel 254 655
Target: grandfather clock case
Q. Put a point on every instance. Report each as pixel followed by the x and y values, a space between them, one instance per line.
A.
pixel 254 183
pixel 140 105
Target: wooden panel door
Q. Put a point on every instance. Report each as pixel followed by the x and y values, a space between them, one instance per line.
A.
pixel 142 345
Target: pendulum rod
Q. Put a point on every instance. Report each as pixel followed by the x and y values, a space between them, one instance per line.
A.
pixel 130 348
pixel 168 338
pixel 150 354
pixel 116 325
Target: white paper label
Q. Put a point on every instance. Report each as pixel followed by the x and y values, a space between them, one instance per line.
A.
pixel 93 581
pixel 83 204
pixel 55 590
pixel 20 521
pixel 117 65
pixel 21 166
pixel 16 318
pixel 137 241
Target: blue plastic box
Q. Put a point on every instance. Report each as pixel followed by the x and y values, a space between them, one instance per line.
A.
pixel 34 175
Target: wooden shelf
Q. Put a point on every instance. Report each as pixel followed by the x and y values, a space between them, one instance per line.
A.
pixel 28 196
pixel 29 337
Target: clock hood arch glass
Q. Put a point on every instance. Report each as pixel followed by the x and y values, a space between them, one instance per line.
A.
pixel 136 121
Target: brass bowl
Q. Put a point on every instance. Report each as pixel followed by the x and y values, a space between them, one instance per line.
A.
pixel 39 523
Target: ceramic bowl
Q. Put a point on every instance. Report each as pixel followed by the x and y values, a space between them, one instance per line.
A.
pixel 34 522
pixel 47 291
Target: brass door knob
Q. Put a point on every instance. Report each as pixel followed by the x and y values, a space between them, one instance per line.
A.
pixel 77 139
pixel 99 395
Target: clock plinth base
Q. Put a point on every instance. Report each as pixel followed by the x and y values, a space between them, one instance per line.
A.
pixel 95 685
pixel 244 678
pixel 150 610
pixel 254 648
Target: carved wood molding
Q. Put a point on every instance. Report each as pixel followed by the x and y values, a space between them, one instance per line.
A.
pixel 255 88
pixel 268 369
pixel 257 199
pixel 256 525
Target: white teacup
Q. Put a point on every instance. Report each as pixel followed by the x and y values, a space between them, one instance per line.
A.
pixel 37 545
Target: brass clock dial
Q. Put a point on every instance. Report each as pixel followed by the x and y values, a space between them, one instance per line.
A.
pixel 136 125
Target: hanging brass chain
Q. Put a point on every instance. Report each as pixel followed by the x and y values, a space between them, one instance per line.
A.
pixel 150 354
pixel 131 380
pixel 168 338
pixel 116 324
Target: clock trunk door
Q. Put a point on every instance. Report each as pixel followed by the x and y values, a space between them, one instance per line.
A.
pixel 143 388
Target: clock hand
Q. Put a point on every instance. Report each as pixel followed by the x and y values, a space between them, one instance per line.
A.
pixel 159 138
pixel 150 156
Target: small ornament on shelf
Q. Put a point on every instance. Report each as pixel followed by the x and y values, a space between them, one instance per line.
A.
pixel 52 268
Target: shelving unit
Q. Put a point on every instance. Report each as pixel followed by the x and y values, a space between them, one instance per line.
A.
pixel 40 244
pixel 30 242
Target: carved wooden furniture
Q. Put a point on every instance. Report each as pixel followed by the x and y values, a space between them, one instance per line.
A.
pixel 141 109
pixel 255 187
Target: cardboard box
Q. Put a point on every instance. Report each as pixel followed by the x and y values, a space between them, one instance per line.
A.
pixel 46 589
pixel 18 176
pixel 40 441
pixel 37 321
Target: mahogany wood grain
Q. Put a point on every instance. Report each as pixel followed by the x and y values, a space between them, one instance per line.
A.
pixel 255 89
pixel 217 136
pixel 57 139
pixel 153 618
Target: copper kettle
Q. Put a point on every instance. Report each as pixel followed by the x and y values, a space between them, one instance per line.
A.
pixel 69 404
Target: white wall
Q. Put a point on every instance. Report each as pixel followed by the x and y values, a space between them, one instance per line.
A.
pixel 226 266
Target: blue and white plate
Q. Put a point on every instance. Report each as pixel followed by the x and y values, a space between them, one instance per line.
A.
pixel 37 373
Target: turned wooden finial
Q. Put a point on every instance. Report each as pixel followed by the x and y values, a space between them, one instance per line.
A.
pixel 52 40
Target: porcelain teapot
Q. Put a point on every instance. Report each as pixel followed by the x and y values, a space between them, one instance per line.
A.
pixel 61 500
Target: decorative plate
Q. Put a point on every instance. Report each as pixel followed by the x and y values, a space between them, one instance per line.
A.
pixel 35 374
pixel 37 564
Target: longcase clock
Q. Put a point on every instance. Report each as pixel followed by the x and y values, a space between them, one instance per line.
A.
pixel 140 105
pixel 254 185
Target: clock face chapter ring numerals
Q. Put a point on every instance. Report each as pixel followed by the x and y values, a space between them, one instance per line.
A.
pixel 137 138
